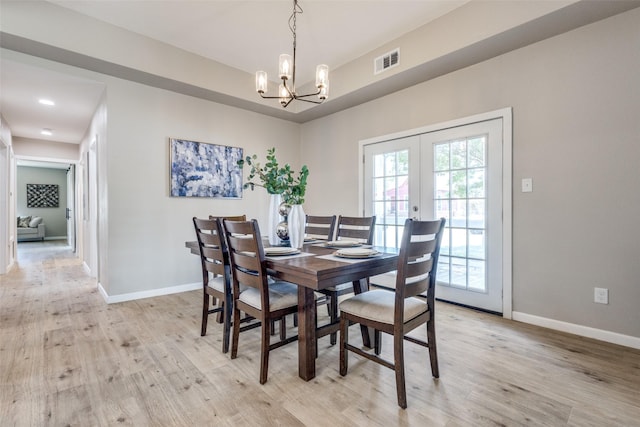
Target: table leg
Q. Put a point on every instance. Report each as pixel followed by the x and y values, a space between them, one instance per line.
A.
pixel 306 333
pixel 360 286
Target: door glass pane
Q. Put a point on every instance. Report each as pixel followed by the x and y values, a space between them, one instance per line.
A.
pixel 442 185
pixel 476 239
pixel 460 197
pixel 459 242
pixel 441 158
pixel 476 271
pixel 476 211
pixel 459 154
pixel 390 196
pixel 459 272
pixel 390 164
pixel 476 147
pixel 476 185
pixel 443 274
pixel 459 184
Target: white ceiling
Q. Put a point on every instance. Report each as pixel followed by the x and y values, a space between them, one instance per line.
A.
pixel 21 87
pixel 248 35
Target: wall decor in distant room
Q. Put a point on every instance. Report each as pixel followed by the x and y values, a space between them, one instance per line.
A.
pixel 200 169
pixel 42 195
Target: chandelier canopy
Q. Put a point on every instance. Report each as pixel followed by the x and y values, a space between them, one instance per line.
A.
pixel 287 72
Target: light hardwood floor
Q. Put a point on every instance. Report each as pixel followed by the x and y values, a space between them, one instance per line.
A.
pixel 67 358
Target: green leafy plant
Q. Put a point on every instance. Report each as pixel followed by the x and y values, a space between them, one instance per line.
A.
pixel 276 179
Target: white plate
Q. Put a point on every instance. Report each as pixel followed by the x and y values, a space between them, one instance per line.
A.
pixel 356 253
pixel 280 250
pixel 343 243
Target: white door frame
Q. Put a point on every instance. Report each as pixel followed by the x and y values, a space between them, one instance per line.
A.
pixel 71 207
pixel 5 191
pixel 507 177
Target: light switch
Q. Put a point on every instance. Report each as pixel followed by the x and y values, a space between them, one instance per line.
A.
pixel 527 185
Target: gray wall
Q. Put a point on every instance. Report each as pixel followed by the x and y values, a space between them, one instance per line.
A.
pixel 146 227
pixel 54 218
pixel 576 132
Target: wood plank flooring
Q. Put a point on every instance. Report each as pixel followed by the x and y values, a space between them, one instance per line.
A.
pixel 69 359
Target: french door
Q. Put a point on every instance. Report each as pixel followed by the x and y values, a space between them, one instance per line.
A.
pixel 454 173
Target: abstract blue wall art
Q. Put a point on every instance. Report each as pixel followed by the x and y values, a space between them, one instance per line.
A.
pixel 199 169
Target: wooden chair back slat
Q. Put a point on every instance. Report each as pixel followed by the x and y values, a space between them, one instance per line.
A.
pixel 246 254
pixel 322 227
pixel 358 228
pixel 417 262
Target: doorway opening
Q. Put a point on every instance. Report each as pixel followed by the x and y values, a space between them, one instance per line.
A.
pixel 58 214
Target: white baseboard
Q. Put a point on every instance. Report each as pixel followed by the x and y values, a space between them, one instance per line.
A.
pixel 148 294
pixel 584 331
pixel 55 238
pixel 103 292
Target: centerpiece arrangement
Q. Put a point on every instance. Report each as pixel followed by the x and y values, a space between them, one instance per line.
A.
pixel 287 195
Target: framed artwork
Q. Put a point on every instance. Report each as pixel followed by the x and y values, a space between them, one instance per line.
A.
pixel 199 169
pixel 42 196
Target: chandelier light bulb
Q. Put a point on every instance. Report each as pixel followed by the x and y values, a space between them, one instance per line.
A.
pixel 285 66
pixel 261 81
pixel 322 75
pixel 284 95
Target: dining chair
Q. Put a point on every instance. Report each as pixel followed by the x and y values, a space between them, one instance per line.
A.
pixel 360 229
pixel 320 227
pixel 399 312
pixel 263 299
pixel 216 275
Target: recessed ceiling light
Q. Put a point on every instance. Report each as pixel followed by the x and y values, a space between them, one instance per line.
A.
pixel 46 131
pixel 46 102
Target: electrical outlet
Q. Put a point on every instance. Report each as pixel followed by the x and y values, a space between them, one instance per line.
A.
pixel 601 295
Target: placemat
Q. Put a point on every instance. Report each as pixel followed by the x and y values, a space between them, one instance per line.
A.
pixel 276 258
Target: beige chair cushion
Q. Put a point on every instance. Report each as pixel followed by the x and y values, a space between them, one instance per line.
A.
pixel 379 305
pixel 217 283
pixel 281 295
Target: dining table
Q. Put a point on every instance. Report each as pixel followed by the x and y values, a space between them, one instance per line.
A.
pixel 317 267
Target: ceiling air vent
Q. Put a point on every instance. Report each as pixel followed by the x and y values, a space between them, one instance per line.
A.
pixel 386 61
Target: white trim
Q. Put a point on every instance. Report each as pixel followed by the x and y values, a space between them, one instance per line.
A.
pixel 86 268
pixel 47 159
pixel 55 237
pixel 584 331
pixel 507 213
pixel 104 294
pixel 150 293
pixel 507 183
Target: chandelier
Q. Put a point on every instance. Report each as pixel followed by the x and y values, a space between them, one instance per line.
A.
pixel 287 72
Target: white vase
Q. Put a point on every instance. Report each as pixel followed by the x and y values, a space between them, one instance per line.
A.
pixel 274 218
pixel 297 221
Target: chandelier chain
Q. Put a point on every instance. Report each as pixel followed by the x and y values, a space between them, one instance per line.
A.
pixel 296 9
